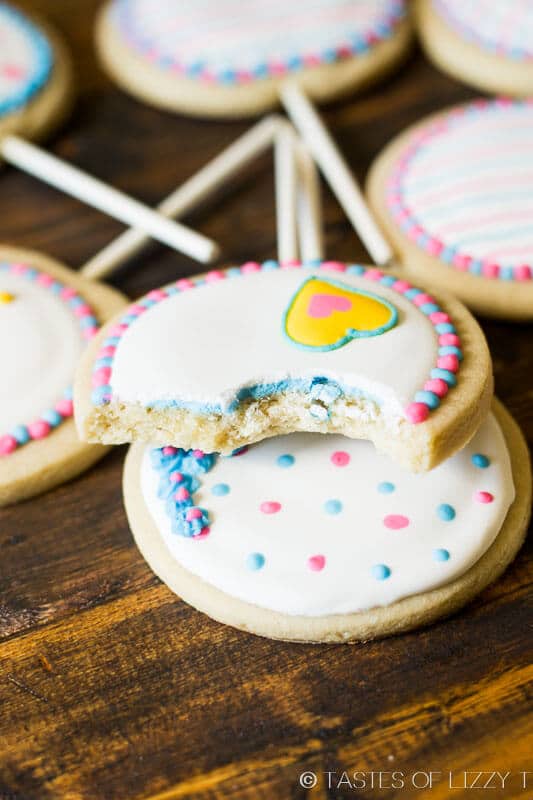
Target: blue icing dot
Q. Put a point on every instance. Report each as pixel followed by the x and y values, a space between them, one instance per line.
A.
pixel 481 461
pixel 53 417
pixel 286 460
pixel 355 269
pixel 380 572
pixel 446 512
pixel 255 561
pixel 386 487
pixel 333 506
pixel 220 489
pixel 20 433
pixel 439 554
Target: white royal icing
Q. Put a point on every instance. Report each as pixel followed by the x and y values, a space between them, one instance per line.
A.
pixel 502 27
pixel 468 183
pixel 200 347
pixel 353 542
pixel 25 59
pixel 41 344
pixel 225 35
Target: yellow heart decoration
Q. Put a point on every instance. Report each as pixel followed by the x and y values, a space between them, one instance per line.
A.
pixel 325 315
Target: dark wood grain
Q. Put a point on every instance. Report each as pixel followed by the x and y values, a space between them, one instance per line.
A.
pixel 113 689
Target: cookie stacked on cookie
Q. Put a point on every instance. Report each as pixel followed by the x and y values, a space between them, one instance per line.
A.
pixel 306 536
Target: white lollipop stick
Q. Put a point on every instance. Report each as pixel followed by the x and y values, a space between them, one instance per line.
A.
pixel 335 170
pixel 111 201
pixel 285 180
pixel 309 205
pixel 222 168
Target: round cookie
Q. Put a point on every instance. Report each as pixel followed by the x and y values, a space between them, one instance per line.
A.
pixel 452 195
pixel 481 42
pixel 47 315
pixel 221 59
pixel 35 76
pixel 227 359
pixel 320 539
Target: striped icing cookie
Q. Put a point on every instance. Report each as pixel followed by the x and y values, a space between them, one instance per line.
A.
pixel 486 43
pixel 235 53
pixel 458 188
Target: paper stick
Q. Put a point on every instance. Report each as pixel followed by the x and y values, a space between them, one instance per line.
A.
pixel 285 179
pixel 309 205
pixel 335 170
pixel 95 193
pixel 223 167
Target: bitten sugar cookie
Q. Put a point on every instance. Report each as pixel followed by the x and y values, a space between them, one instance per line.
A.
pixel 320 538
pixel 261 350
pixel 453 194
pixel 218 58
pixel 47 315
pixel 482 42
pixel 35 76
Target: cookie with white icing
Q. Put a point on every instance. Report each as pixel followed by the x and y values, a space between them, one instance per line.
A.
pixel 227 359
pixel 47 316
pixel 484 43
pixel 320 538
pixel 453 195
pixel 219 58
pixel 35 75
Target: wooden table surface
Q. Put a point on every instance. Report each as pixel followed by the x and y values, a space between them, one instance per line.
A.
pixel 113 689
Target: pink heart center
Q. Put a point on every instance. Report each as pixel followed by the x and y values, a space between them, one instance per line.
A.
pixel 323 305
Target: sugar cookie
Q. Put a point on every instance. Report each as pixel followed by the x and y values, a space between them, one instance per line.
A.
pixel 218 58
pixel 320 538
pixel 47 315
pixel 452 194
pixel 482 42
pixel 224 360
pixel 35 75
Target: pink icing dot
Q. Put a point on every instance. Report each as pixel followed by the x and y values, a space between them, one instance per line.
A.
pixel 417 412
pixel 450 363
pixel 214 276
pixel 490 270
pixel 182 494
pixel 461 261
pixel 437 386
pixel 7 445
pixel 39 429
pixel 157 294
pixel 82 311
pixel 203 533
pixel 340 458
pixel 439 316
pixel 169 450
pixel 434 247
pixel 395 522
pixel 270 507
pixel 101 376
pixel 183 284
pixel 88 333
pixel 64 407
pixel 117 330
pixel 198 453
pixel 290 264
pixel 401 286
pixel 450 338
pixel 316 563
pixel 193 513
pixel 522 273
pixel 422 299
pixel 484 497
pixel 137 309
pixel 414 232
pixel 374 274
pixel 107 351
pixel 176 477
pixel 250 266
pixel 67 293
pixel 19 269
pixel 44 280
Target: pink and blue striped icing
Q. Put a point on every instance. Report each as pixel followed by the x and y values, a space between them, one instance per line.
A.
pixel 461 189
pixel 503 27
pixel 233 42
